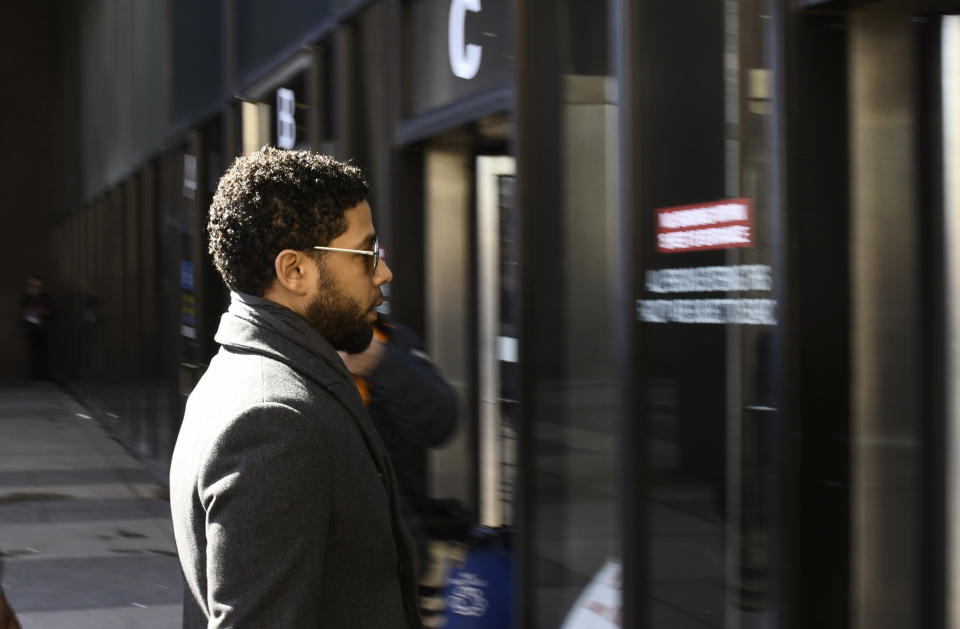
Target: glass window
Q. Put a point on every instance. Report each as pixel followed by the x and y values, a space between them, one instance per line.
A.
pixel 707 314
pixel 569 187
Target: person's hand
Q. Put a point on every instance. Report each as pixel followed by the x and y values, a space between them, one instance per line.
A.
pixel 365 362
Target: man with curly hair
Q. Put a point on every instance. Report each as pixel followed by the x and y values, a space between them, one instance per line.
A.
pixel 283 497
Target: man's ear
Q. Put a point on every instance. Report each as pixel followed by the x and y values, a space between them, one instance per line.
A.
pixel 291 272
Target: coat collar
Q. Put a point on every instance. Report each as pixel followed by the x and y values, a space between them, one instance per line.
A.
pixel 257 324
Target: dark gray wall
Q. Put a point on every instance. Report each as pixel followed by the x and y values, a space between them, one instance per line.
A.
pixel 197 58
pixel 267 29
pixel 123 94
pixel 30 166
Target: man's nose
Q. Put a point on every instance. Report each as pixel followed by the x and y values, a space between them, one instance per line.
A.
pixel 383 274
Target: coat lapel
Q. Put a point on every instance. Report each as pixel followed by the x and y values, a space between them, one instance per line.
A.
pixel 254 324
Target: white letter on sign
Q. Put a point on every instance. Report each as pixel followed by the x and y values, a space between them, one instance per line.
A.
pixel 464 59
pixel 286 118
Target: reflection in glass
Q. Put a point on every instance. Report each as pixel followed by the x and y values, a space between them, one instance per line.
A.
pixel 705 374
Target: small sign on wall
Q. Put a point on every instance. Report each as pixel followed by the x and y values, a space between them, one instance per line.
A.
pixel 464 58
pixel 286 118
pixel 723 224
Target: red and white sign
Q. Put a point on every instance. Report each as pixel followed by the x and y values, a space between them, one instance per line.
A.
pixel 716 225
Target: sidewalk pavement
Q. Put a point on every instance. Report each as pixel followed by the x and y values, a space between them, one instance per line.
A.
pixel 85 530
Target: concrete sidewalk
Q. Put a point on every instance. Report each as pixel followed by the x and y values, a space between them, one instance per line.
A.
pixel 84 529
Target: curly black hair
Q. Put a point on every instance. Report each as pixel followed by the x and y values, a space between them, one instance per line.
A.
pixel 274 200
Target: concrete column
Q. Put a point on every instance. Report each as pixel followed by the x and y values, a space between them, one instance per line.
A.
pixel 885 326
pixel 448 186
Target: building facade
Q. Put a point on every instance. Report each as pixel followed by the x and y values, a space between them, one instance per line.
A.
pixel 689 265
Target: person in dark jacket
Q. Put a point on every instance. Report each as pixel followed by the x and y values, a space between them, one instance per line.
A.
pixel 413 408
pixel 284 501
pixel 36 309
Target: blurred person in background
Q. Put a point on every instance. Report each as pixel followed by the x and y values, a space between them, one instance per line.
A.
pixel 413 408
pixel 36 310
pixel 284 500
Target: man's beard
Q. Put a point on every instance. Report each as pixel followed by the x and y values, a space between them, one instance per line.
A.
pixel 339 319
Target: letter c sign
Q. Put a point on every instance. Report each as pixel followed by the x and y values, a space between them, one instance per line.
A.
pixel 464 59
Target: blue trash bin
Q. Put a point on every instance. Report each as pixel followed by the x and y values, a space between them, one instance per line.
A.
pixel 479 594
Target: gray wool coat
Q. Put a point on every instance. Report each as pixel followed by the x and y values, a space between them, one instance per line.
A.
pixel 283 498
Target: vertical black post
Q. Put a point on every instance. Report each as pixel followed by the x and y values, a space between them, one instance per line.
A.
pixel 775 441
pixel 537 118
pixel 814 548
pixel 625 66
pixel 523 515
pixel 934 414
